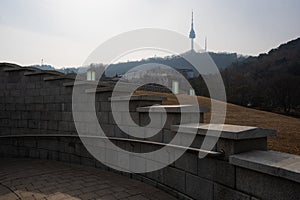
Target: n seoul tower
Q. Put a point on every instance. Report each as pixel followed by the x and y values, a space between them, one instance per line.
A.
pixel 192 35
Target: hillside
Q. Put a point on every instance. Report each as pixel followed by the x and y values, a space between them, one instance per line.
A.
pixel 284 59
pixel 270 81
pixel 287 139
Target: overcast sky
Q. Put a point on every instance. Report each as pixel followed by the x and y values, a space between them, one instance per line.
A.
pixel 65 32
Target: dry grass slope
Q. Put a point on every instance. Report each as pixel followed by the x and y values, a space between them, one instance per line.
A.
pixel 288 136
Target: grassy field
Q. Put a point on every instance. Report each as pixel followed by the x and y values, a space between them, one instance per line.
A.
pixel 288 128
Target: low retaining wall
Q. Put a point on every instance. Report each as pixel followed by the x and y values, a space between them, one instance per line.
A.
pixel 36 121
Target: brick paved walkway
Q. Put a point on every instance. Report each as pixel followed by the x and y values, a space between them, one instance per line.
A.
pixel 51 180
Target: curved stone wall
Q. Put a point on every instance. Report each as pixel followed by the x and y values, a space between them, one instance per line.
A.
pixel 36 121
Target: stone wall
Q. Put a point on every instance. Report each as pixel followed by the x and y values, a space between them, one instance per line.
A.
pixel 36 121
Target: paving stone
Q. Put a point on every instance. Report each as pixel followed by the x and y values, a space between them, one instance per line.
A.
pixel 52 180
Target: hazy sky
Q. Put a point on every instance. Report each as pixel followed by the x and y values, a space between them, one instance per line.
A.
pixel 65 32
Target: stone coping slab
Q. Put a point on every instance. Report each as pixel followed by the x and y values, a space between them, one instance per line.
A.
pixel 71 84
pixel 274 163
pixel 100 89
pixel 13 69
pixel 4 64
pixel 53 78
pixel 233 132
pixel 50 72
pixel 138 98
pixel 174 109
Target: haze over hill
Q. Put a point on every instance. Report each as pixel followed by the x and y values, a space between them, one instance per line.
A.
pixel 269 81
pixel 222 61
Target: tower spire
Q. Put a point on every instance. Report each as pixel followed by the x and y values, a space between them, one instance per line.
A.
pixel 205 43
pixel 192 35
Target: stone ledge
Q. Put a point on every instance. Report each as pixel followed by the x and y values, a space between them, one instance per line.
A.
pixel 50 72
pixel 14 69
pixel 87 83
pixel 99 90
pixel 138 98
pixel 270 162
pixel 53 78
pixel 71 84
pixel 174 109
pixel 4 64
pixel 233 132
pixel 107 89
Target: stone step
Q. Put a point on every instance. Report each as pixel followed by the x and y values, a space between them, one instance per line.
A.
pixel 233 132
pixel 174 109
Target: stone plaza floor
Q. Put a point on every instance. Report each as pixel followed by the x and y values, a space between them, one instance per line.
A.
pixel 53 180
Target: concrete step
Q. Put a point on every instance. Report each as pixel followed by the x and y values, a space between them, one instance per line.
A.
pixel 233 132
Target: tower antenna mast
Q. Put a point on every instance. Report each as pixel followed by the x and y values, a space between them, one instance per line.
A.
pixel 192 34
pixel 205 44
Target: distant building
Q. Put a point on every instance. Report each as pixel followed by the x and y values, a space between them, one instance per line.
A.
pixel 91 74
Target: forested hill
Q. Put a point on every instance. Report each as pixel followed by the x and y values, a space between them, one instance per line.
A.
pixel 269 81
pixel 284 59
